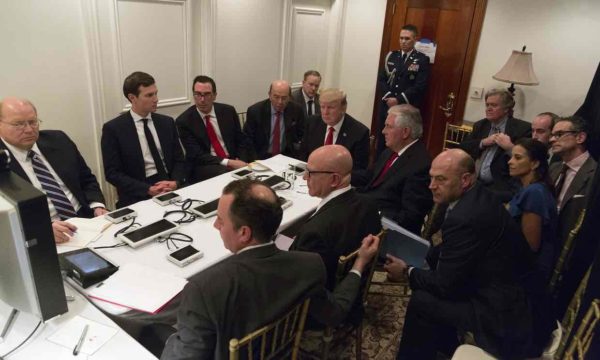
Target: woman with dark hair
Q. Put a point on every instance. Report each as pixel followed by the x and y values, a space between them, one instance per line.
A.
pixel 534 208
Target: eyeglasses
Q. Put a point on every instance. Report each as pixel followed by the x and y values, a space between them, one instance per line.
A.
pixel 21 125
pixel 559 134
pixel 309 173
pixel 202 94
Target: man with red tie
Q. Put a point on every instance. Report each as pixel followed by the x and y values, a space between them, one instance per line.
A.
pixel 275 125
pixel 211 133
pixel 335 126
pixel 399 180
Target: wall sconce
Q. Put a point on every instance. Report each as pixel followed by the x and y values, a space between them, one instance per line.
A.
pixel 518 70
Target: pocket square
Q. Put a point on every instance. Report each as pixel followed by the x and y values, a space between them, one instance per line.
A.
pixel 578 196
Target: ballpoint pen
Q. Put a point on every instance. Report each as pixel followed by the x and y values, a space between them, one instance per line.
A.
pixel 81 339
pixel 9 321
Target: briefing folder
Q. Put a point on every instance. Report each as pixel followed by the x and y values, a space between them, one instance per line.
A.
pixel 404 244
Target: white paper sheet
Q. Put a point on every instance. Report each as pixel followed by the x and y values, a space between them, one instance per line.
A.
pixel 68 335
pixel 138 287
pixel 88 230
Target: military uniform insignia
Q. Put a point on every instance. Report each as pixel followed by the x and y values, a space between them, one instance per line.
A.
pixel 413 67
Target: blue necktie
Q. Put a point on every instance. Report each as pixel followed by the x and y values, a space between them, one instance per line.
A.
pixel 57 196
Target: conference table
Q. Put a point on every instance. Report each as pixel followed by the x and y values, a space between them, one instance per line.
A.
pixel 205 236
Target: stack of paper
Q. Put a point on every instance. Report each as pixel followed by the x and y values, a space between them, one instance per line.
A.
pixel 88 230
pixel 138 287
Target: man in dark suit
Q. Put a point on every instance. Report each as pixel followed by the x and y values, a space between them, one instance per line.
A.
pixel 51 162
pixel 572 178
pixel 491 142
pixel 258 283
pixel 140 148
pixel 211 133
pixel 334 126
pixel 398 182
pixel 471 284
pixel 403 79
pixel 307 96
pixel 343 217
pixel 275 125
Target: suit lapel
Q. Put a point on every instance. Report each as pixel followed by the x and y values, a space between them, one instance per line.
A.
pixel 14 164
pixel 385 155
pixel 342 135
pixel 266 125
pixel 130 132
pixel 224 127
pixel 579 181
pixel 331 203
pixel 200 128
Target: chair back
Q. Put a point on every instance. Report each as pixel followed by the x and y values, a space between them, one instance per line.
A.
pixel 581 341
pixel 568 321
pixel 565 254
pixel 455 134
pixel 277 340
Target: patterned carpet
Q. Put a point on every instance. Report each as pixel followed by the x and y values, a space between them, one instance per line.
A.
pixel 382 326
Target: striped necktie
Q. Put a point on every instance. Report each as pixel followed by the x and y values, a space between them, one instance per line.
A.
pixel 50 186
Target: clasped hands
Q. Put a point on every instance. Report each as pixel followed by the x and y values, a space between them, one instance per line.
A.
pixel 499 139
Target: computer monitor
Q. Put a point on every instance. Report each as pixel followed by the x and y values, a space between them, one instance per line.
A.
pixel 30 278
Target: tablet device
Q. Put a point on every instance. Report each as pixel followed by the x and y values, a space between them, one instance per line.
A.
pixel 275 182
pixel 206 210
pixel 142 235
pixel 167 198
pixel 185 255
pixel 120 215
pixel 241 173
pixel 86 267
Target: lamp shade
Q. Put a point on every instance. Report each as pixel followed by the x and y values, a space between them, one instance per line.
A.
pixel 518 69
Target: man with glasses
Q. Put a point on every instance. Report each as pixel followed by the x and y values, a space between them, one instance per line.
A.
pixel 275 125
pixel 51 162
pixel 211 133
pixel 343 218
pixel 141 150
pixel 491 142
pixel 398 181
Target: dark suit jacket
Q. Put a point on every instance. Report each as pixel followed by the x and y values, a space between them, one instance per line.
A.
pixel 194 138
pixel 332 231
pixel 481 254
pixel 413 83
pixel 62 153
pixel 298 98
pixel 124 162
pixel 247 291
pixel 258 129
pixel 404 194
pixel 353 135
pixel 503 185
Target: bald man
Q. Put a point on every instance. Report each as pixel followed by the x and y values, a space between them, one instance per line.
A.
pixel 275 125
pixel 51 162
pixel 471 284
pixel 343 217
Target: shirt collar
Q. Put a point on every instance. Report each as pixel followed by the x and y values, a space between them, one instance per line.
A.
pixel 578 162
pixel 332 195
pixel 306 97
pixel 20 154
pixel 501 124
pixel 338 126
pixel 253 247
pixel 211 113
pixel 406 147
pixel 136 117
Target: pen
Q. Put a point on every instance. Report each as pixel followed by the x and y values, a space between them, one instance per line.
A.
pixel 81 338
pixel 11 318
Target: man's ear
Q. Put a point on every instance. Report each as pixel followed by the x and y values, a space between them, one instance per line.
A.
pixel 130 97
pixel 245 233
pixel 581 137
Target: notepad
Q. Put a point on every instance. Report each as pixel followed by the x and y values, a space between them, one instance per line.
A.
pixel 404 244
pixel 138 287
pixel 88 230
pixel 68 334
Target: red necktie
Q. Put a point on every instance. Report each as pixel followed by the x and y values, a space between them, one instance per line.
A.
pixel 276 135
pixel 385 169
pixel 214 141
pixel 329 138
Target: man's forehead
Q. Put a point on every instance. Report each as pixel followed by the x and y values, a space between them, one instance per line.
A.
pixel 563 125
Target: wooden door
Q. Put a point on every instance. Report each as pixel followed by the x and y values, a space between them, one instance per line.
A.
pixel 455 26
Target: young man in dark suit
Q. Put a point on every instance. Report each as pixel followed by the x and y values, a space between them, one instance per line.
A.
pixel 472 280
pixel 51 162
pixel 307 96
pixel 343 217
pixel 398 181
pixel 211 133
pixel 403 79
pixel 140 148
pixel 491 142
pixel 335 126
pixel 258 283
pixel 275 125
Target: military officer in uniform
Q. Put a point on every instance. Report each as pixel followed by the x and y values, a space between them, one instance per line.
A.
pixel 403 79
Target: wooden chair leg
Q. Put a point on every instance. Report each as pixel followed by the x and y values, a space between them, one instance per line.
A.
pixel 359 331
pixel 327 338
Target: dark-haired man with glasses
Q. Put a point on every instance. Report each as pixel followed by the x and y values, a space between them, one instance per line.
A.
pixel 211 133
pixel 343 217
pixel 51 162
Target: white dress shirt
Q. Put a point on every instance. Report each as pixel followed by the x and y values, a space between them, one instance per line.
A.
pixel 336 129
pixel 149 165
pixel 215 125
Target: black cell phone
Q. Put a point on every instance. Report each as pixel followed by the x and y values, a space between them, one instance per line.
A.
pixel 273 181
pixel 240 174
pixel 207 209
pixel 166 199
pixel 120 215
pixel 185 255
pixel 148 233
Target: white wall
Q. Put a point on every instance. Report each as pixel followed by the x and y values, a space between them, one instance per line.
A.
pixel 563 37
